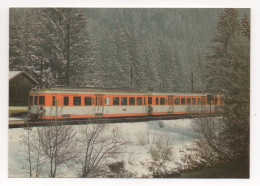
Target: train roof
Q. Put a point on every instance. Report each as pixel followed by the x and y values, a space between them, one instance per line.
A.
pixel 114 91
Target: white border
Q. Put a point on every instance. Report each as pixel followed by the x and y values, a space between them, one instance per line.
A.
pixel 255 84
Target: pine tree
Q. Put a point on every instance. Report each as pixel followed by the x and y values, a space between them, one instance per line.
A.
pixel 237 109
pixel 109 59
pixel 198 69
pixel 238 101
pixel 151 60
pixel 20 37
pixel 167 67
pixel 64 31
pixel 122 58
pixel 16 53
pixel 28 35
pixel 229 75
pixel 78 43
pixel 24 48
pixel 179 81
pixel 217 67
pixel 51 37
pixel 135 47
pixel 93 73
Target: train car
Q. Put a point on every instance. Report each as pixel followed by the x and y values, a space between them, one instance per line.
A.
pixel 77 103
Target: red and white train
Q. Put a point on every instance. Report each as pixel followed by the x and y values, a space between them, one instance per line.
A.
pixel 68 103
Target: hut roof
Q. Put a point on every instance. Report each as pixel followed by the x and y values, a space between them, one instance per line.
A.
pixel 14 74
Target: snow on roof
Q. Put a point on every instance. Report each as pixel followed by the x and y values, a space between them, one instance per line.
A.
pixel 14 74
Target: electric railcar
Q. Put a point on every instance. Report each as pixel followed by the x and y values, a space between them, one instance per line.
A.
pixel 76 103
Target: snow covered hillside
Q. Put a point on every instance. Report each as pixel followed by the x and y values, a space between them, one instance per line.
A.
pixel 138 155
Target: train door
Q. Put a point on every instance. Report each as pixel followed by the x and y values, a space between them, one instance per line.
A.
pixel 150 105
pixel 170 102
pixel 33 102
pixel 99 105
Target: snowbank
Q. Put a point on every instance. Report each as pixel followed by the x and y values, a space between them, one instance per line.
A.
pixel 136 155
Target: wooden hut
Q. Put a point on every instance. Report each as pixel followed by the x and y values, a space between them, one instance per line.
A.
pixel 19 85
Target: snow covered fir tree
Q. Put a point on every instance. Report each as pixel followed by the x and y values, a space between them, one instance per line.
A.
pixel 160 50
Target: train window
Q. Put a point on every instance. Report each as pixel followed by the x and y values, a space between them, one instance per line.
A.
pixel 88 100
pixel 177 101
pixel 162 101
pixel 53 100
pixel 157 101
pixel 188 101
pixel 131 101
pixel 150 101
pixel 115 100
pixel 216 101
pixel 193 101
pixel 41 100
pixel 35 100
pixel 66 101
pixel 31 100
pixel 183 101
pixel 76 101
pixel 199 101
pixel 139 101
pixel 123 100
pixel 107 100
pixel 144 101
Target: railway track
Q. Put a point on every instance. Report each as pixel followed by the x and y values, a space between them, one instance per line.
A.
pixel 29 123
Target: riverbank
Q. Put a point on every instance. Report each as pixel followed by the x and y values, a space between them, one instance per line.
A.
pixel 233 169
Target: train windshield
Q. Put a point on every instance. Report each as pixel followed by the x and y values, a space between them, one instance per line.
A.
pixel 41 100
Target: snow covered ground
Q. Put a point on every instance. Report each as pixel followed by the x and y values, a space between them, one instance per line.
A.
pixel 136 156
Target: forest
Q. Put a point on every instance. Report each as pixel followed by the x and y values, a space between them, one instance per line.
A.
pixel 174 50
pixel 163 48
